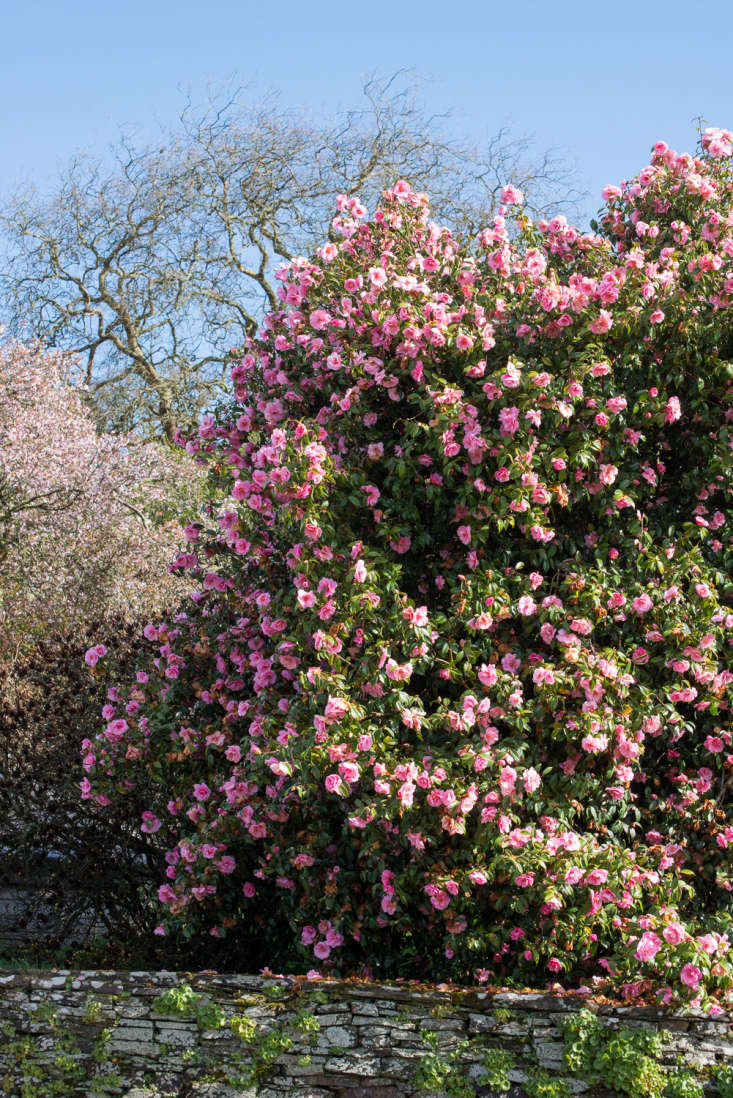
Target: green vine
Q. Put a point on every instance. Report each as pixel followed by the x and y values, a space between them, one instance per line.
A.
pixel 187 1003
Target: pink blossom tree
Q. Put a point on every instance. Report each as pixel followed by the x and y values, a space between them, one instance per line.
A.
pixel 88 521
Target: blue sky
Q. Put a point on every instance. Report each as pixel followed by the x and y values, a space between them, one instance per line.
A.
pixel 600 81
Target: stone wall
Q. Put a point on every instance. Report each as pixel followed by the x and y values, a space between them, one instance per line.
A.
pixel 145 1035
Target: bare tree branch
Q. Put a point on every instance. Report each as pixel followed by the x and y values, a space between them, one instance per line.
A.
pixel 152 271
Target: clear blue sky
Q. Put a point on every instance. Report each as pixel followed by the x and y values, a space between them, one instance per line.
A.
pixel 602 81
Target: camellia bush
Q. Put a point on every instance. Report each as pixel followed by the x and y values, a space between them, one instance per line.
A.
pixel 454 689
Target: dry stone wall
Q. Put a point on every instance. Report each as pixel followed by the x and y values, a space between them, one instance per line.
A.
pixel 149 1035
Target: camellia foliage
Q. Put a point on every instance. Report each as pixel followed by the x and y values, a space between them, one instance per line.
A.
pixel 454 689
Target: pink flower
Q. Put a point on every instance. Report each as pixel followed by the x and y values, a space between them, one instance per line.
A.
pixel 642 603
pixel 509 420
pixel 150 823
pixel 439 899
pixel 602 322
pixel 487 674
pixel 526 606
pixel 690 975
pixel 673 410
pixel 531 780
pixel 201 791
pixel 320 319
pixel 674 933
pixel 511 195
pixel 115 730
pixel 464 534
pixel 377 277
pixel 322 950
pixel 648 946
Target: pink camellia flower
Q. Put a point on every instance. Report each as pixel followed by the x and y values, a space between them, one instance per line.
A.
pixel 201 791
pixel 602 322
pixel 714 744
pixel 717 142
pixel 511 195
pixel 402 544
pixel 509 420
pixel 674 933
pixel 524 880
pixel 439 899
pixel 531 780
pixel 690 975
pixel 648 946
pixel 554 964
pixel 115 730
pixel 350 772
pixel 150 823
pixel 464 534
pixel 487 674
pixel 166 895
pixel 641 604
pixel 377 277
pixel 91 657
pixel 226 864
pixel 673 410
pixel 526 606
pixel 322 950
pixel 511 663
pixel 320 319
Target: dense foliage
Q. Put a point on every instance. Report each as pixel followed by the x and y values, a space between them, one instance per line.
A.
pixel 454 688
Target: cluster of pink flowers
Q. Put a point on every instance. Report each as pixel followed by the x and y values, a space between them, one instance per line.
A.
pixel 456 677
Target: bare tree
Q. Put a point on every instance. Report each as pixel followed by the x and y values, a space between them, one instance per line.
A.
pixel 152 270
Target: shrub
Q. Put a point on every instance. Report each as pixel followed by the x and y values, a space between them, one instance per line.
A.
pixel 453 692
pixel 88 523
